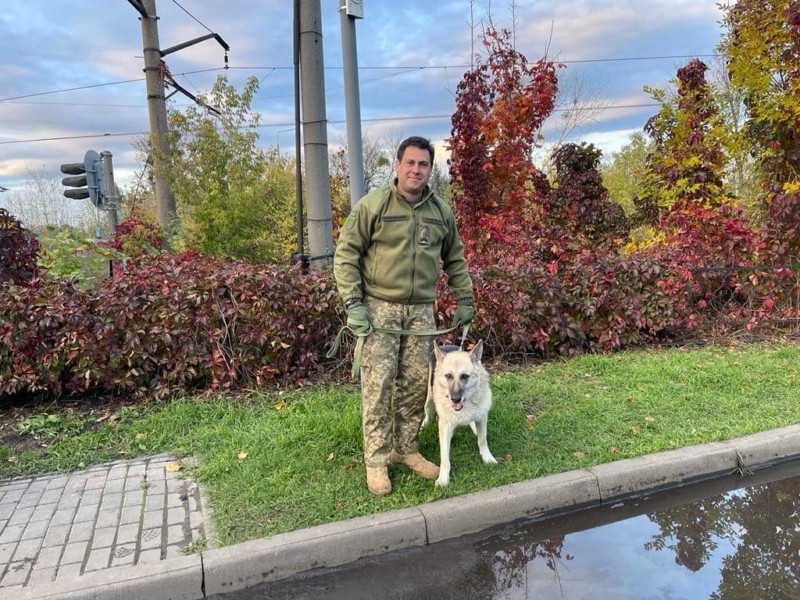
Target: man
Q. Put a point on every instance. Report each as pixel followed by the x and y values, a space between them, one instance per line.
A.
pixel 386 264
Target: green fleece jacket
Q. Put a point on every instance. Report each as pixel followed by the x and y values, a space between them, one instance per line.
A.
pixel 391 249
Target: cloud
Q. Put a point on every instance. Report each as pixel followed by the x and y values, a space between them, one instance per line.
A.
pixel 411 55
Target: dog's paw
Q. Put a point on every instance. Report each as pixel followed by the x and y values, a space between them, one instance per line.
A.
pixel 425 421
pixel 489 459
pixel 442 481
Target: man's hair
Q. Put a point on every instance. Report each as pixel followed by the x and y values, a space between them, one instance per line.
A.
pixel 417 142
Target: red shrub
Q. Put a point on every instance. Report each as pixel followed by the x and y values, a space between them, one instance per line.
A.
pixel 19 250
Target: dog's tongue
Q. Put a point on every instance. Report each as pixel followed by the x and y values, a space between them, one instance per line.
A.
pixel 457 406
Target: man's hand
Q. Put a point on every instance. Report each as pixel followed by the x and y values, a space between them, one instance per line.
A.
pixel 358 318
pixel 464 312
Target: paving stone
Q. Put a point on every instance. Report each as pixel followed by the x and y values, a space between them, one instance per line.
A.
pixel 86 513
pixel 48 557
pixel 43 512
pixel 6 552
pixel 69 500
pixel 30 498
pixel 57 535
pixel 155 502
pixel 149 556
pixel 130 514
pixel 74 552
pixel 176 535
pixel 43 575
pixel 104 537
pixel 123 555
pixel 21 515
pixel 176 516
pixel 12 533
pixel 17 573
pixel 62 516
pixel 150 538
pixel 91 496
pixel 81 532
pixel 107 518
pixel 98 559
pixel 111 501
pixel 35 529
pixel 153 519
pixel 69 571
pixel 127 534
pixel 27 550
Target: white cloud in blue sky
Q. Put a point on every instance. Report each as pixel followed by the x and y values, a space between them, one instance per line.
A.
pixel 411 57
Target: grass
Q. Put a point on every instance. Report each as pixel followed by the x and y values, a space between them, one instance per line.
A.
pixel 272 463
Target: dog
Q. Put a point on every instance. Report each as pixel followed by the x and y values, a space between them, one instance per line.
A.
pixel 459 394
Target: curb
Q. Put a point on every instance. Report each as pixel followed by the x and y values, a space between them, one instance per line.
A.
pixel 237 567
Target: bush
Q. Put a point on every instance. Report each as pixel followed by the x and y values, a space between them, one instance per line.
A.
pixel 169 324
pixel 19 250
pixel 176 323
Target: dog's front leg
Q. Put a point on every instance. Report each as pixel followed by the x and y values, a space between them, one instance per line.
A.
pixel 483 445
pixel 445 437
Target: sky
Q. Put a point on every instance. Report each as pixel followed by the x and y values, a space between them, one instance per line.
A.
pixel 72 79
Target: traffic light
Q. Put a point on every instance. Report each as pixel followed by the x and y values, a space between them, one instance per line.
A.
pixel 88 178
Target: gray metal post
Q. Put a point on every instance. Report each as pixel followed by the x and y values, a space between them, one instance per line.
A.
pixel 157 108
pixel 110 201
pixel 315 135
pixel 298 164
pixel 352 105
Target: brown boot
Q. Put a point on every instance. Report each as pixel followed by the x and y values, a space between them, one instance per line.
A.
pixel 417 463
pixel 378 481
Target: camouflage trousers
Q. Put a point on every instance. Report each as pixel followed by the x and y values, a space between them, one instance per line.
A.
pixel 394 379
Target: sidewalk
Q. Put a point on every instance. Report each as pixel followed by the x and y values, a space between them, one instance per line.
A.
pixel 119 530
pixel 58 528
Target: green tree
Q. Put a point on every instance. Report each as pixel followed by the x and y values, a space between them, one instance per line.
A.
pixel 623 175
pixel 686 165
pixel 231 196
pixel 762 48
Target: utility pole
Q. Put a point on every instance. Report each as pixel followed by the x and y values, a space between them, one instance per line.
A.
pixel 315 135
pixel 351 11
pixel 157 109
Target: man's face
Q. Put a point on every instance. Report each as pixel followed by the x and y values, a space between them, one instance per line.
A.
pixel 413 172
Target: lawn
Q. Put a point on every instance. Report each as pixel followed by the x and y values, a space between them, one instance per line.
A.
pixel 275 462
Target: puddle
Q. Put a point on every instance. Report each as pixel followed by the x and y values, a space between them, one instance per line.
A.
pixel 714 540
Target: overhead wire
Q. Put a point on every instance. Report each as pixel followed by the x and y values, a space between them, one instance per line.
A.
pixel 176 3
pixel 403 70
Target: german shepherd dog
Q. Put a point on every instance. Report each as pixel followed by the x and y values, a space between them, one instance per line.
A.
pixel 459 393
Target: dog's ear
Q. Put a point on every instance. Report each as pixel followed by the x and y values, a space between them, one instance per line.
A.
pixel 477 352
pixel 437 352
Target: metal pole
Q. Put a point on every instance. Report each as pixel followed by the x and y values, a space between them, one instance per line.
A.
pixel 157 108
pixel 315 135
pixel 110 201
pixel 352 105
pixel 298 165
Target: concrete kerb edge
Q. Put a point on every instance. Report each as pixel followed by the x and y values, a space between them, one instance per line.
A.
pixel 178 578
pixel 281 556
pixel 674 468
pixel 535 498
